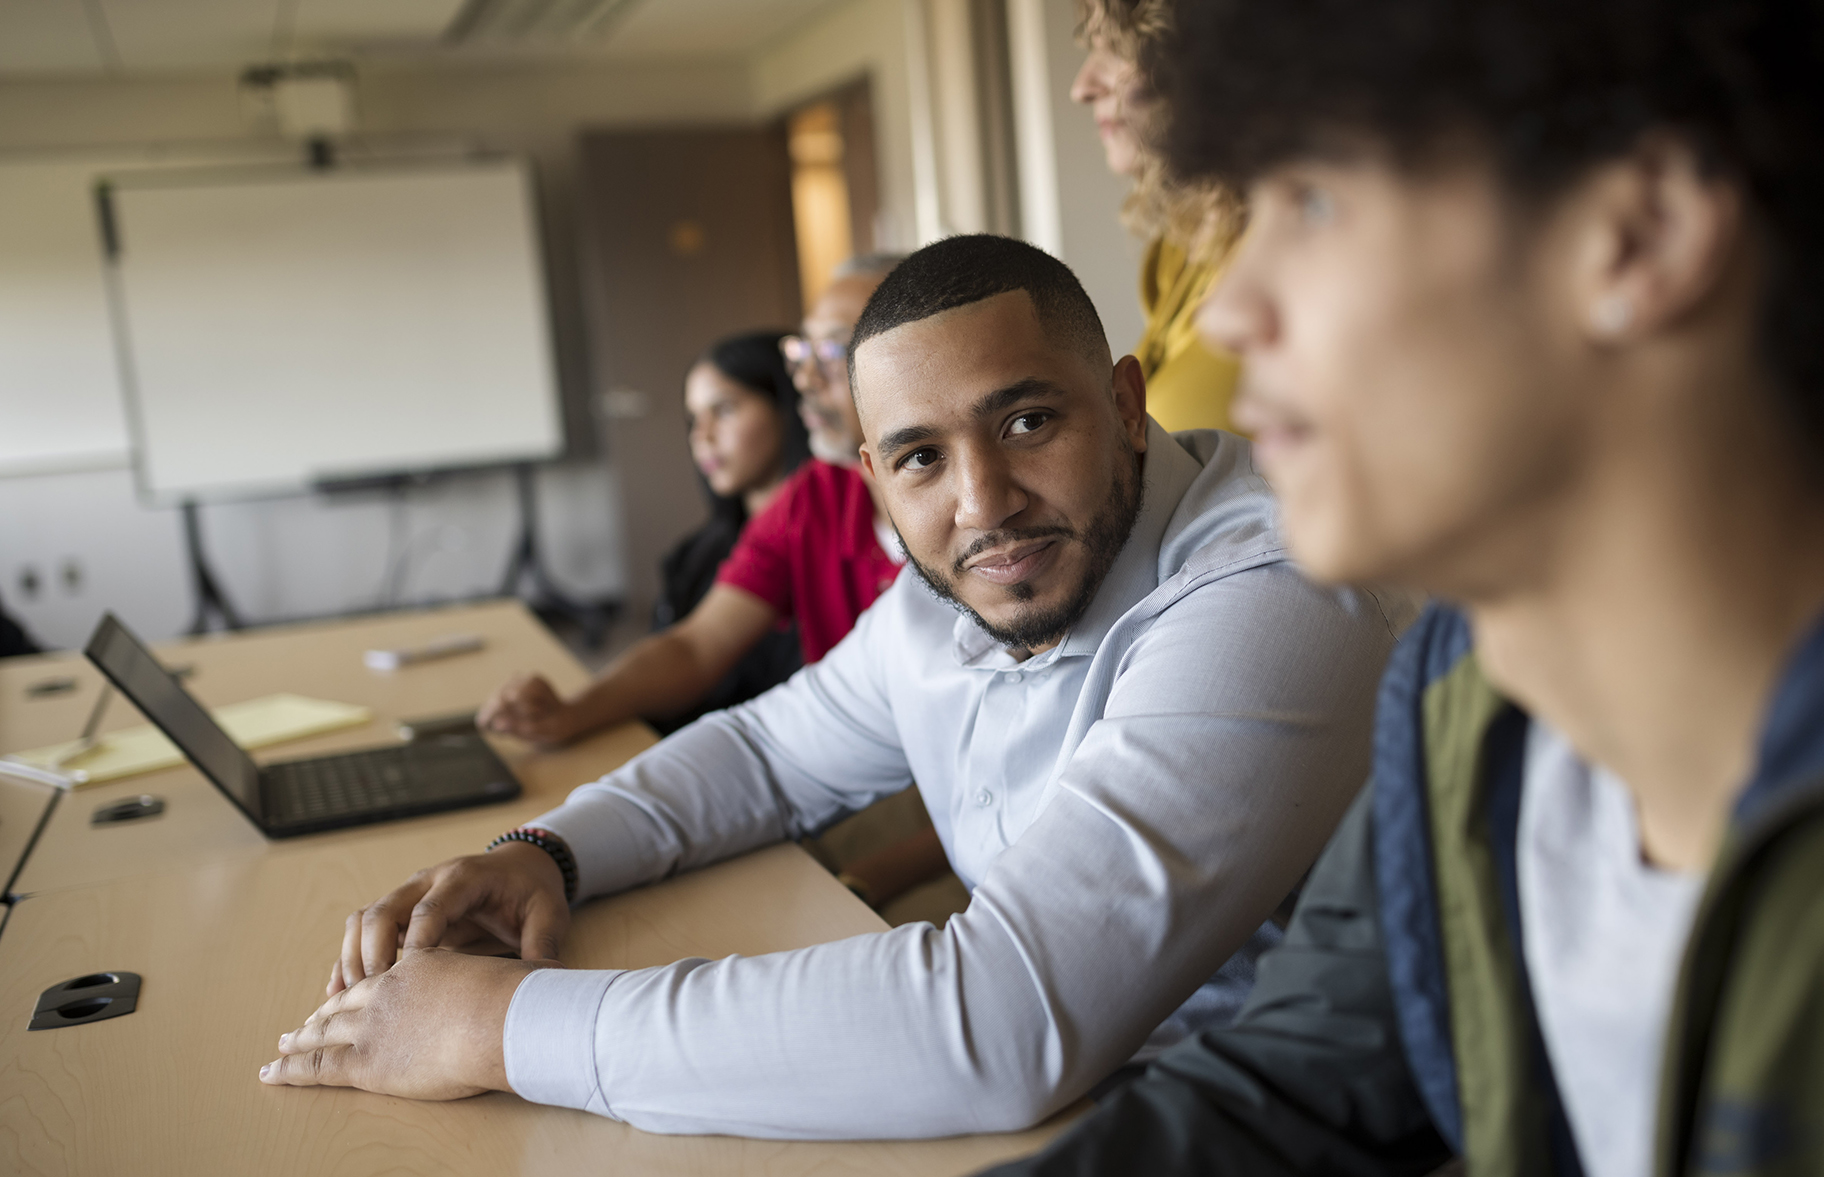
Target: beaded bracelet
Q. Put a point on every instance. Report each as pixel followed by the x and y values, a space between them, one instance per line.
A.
pixel 551 844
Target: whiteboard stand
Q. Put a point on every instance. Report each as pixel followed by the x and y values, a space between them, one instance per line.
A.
pixel 524 564
pixel 209 595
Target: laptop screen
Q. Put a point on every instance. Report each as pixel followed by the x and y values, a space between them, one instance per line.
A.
pixel 157 693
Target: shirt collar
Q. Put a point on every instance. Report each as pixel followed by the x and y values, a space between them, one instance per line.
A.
pixel 1165 477
pixel 976 650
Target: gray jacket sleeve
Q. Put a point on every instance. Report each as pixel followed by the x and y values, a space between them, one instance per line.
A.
pixel 1310 1079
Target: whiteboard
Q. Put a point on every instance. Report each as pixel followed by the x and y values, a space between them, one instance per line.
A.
pixel 280 328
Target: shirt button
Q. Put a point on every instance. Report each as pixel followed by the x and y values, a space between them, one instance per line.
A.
pixel 1011 676
pixel 984 798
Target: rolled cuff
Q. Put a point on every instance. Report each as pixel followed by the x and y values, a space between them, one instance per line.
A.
pixel 549 1038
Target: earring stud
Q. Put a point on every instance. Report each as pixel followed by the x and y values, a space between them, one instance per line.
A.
pixel 1612 315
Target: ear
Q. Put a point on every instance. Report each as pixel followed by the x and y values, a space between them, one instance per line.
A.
pixel 1656 236
pixel 867 463
pixel 1130 401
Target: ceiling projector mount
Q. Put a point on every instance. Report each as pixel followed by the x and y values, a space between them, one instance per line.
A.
pixel 311 101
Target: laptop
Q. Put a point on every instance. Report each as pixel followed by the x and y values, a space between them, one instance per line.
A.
pixel 450 770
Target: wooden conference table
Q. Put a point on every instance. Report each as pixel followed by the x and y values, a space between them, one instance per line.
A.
pixel 234 936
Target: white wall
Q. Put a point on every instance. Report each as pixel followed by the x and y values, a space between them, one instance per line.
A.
pixel 1065 180
pixel 127 560
pixel 299 557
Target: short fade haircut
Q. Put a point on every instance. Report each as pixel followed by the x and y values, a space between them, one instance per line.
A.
pixel 869 264
pixel 959 271
pixel 1550 89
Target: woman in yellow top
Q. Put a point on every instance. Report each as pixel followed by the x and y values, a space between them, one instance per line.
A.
pixel 1191 228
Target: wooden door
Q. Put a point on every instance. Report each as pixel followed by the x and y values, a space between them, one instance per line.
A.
pixel 687 238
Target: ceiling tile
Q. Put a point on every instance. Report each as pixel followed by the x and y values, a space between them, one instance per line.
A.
pixel 191 34
pixel 707 28
pixel 351 24
pixel 46 36
pixel 223 36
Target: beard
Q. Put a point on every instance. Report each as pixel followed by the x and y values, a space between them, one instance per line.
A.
pixel 831 440
pixel 1103 538
pixel 833 445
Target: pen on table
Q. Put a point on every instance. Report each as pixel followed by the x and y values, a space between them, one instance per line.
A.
pixel 19 770
pixel 443 647
pixel 86 742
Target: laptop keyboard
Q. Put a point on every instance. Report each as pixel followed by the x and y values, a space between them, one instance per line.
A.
pixel 315 790
pixel 375 784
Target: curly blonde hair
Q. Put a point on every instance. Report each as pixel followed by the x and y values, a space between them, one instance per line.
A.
pixel 1201 217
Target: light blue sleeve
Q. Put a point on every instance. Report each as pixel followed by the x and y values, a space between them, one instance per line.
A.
pixel 804 754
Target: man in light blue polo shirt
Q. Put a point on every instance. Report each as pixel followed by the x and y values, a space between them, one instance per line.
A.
pixel 1133 722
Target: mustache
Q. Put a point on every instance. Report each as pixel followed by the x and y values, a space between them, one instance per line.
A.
pixel 1016 535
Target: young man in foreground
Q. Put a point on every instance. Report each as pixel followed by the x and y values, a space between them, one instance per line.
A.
pixel 1532 308
pixel 1133 740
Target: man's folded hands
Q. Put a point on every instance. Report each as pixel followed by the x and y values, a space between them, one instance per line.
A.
pixel 513 894
pixel 429 1027
pixel 409 1011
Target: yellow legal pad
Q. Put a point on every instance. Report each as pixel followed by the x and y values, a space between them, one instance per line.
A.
pixel 256 723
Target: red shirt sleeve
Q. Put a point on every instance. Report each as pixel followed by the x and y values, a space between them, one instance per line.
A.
pixel 761 562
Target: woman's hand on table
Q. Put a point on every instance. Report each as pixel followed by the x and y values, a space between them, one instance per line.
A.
pixel 529 707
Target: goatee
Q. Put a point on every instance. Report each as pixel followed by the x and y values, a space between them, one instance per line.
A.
pixel 1103 539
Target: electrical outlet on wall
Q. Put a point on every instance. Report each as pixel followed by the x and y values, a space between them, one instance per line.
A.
pixel 78 543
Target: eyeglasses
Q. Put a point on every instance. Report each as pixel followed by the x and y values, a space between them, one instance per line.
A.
pixel 799 353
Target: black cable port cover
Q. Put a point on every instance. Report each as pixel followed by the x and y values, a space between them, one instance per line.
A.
pixel 95 997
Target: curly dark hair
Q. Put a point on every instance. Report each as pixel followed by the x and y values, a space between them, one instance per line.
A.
pixel 1551 88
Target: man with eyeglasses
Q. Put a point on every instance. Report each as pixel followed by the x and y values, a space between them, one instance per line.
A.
pixel 818 555
pixel 823 549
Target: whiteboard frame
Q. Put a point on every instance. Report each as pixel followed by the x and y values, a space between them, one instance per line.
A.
pixel 217 176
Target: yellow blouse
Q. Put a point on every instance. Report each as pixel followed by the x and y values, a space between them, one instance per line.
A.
pixel 1187 385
